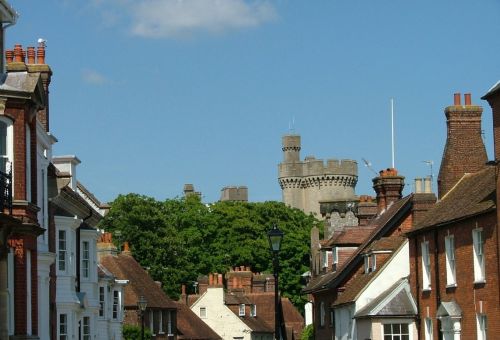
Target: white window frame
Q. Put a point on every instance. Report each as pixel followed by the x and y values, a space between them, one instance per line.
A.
pixel 253 310
pixel 28 163
pixel 367 263
pixel 394 334
pixel 85 270
pixel 479 258
pixel 62 253
pixel 449 244
pixel 86 331
pixel 102 302
pixel 482 326
pixel 203 312
pixel 116 305
pixel 160 325
pixel 62 327
pixel 170 323
pixel 9 152
pixel 373 262
pixel 241 309
pixel 428 329
pixel 426 266
pixel 152 322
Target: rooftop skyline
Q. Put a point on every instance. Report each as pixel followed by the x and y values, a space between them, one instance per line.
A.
pixel 151 95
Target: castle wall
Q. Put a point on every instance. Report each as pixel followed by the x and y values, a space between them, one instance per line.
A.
pixel 306 183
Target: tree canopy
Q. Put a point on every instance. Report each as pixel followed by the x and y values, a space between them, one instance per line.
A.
pixel 180 239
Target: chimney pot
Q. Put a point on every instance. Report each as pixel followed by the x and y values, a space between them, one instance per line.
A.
pixel 40 55
pixel 219 281
pixel 210 280
pixel 418 185
pixel 427 185
pixel 183 289
pixel 467 99
pixel 18 53
pixel 31 55
pixel 126 247
pixel 456 99
pixel 9 56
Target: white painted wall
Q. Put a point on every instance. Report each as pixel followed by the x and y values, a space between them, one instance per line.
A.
pixel 396 268
pixel 219 317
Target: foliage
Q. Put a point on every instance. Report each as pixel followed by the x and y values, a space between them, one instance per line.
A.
pixel 180 239
pixel 308 333
pixel 132 332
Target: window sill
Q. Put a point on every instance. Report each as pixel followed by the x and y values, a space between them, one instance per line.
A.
pixel 451 285
pixel 424 290
pixel 480 282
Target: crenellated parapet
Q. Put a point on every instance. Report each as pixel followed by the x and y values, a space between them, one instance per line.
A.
pixel 307 182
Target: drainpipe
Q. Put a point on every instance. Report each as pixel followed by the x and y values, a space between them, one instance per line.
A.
pixel 417 280
pixel 436 273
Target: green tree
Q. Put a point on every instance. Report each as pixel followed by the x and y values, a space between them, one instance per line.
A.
pixel 132 332
pixel 180 239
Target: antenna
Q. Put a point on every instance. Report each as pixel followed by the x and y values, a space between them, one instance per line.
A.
pixel 392 130
pixel 291 125
pixel 369 166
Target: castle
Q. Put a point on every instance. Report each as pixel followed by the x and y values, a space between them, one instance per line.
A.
pixel 315 187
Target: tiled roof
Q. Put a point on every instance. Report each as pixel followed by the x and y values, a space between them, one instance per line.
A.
pixel 236 299
pixel 350 236
pixel 357 285
pixel 378 223
pixel 191 327
pixel 472 195
pixel 400 304
pixel 125 267
pixel 265 311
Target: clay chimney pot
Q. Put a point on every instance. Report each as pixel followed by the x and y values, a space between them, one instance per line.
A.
pixel 126 247
pixel 9 56
pixel 467 99
pixel 18 53
pixel 40 55
pixel 31 55
pixel 456 99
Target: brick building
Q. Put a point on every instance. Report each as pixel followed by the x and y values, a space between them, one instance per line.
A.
pixel 454 248
pixel 337 292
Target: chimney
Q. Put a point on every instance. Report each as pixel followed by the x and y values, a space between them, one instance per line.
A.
pixel 418 185
pixel 464 151
pixel 105 246
pixel 389 187
pixel 367 209
pixel 126 248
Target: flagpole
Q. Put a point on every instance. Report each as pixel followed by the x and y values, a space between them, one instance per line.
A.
pixel 392 130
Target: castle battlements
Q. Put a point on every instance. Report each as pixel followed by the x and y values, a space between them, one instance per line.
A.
pixel 307 182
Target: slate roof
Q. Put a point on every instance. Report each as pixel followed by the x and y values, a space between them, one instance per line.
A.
pixel 125 267
pixel 400 304
pixel 494 89
pixel 191 327
pixel 474 194
pixel 358 284
pixel 388 218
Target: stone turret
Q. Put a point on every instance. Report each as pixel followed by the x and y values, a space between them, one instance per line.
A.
pixel 306 183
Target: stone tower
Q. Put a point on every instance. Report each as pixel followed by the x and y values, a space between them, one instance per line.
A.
pixel 308 183
pixel 464 151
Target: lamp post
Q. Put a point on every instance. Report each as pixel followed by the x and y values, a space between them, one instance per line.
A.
pixel 142 304
pixel 275 237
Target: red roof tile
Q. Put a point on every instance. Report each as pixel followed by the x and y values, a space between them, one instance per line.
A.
pixel 191 327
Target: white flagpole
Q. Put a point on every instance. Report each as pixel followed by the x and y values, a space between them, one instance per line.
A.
pixel 392 130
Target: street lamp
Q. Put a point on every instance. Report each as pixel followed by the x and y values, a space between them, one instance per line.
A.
pixel 275 237
pixel 142 304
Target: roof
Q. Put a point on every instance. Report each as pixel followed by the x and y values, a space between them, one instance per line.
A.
pixel 350 236
pixel 395 301
pixel 265 311
pixel 24 85
pixel 236 299
pixel 450 308
pixel 190 326
pixel 125 267
pixel 358 284
pixel 7 13
pixel 474 194
pixel 494 89
pixel 386 220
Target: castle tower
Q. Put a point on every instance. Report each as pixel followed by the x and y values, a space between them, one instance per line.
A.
pixel 464 151
pixel 307 184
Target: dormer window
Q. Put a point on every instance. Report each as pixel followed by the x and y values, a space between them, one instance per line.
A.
pixel 242 310
pixel 253 310
pixel 370 263
pixel 335 258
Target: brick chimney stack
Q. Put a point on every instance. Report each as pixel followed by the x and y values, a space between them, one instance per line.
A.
pixel 464 151
pixel 35 63
pixel 389 187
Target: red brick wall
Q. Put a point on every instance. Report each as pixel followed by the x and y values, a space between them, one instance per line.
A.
pixel 466 294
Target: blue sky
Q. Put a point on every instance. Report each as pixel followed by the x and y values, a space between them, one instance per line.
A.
pixel 152 94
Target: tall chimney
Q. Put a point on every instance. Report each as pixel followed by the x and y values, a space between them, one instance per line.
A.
pixel 464 151
pixel 389 187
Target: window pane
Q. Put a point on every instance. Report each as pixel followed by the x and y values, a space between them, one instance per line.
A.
pixel 387 329
pixel 404 328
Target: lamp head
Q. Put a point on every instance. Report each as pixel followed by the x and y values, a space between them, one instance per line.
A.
pixel 275 237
